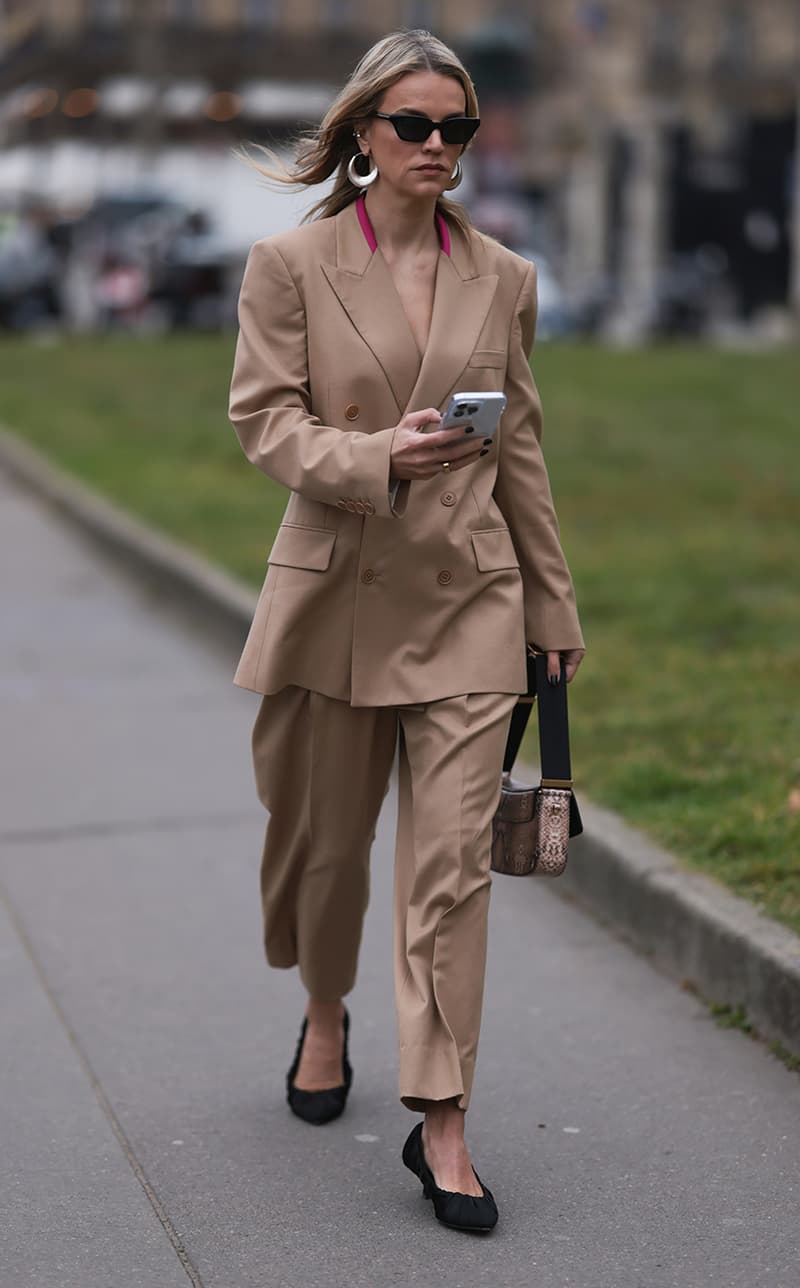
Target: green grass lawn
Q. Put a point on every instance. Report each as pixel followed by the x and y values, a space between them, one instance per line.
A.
pixel 676 474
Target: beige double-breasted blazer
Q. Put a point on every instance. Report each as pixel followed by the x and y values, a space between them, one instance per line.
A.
pixel 373 595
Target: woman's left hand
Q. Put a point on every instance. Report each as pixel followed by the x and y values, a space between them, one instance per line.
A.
pixel 572 658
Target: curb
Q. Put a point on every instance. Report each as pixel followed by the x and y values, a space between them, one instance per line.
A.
pixel 175 573
pixel 689 925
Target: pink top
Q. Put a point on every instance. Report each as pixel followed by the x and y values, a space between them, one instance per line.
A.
pixel 369 231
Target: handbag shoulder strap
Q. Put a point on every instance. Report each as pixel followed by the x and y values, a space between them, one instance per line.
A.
pixel 551 699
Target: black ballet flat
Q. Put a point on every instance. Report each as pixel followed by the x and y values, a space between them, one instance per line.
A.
pixel 458 1211
pixel 318 1107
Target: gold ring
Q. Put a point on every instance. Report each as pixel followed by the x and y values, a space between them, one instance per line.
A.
pixel 445 465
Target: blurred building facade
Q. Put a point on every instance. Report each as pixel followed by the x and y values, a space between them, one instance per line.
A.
pixel 647 147
pixel 686 149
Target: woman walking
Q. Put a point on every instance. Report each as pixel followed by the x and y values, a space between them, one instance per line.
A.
pixel 410 569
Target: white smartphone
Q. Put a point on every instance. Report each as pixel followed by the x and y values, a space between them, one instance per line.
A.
pixel 479 413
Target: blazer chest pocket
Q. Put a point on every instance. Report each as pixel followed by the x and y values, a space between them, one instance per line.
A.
pixel 488 358
pixel 494 550
pixel 296 546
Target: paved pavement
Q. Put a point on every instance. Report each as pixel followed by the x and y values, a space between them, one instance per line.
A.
pixel 144 1138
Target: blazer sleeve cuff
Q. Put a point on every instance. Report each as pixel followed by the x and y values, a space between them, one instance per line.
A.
pixel 556 626
pixel 389 496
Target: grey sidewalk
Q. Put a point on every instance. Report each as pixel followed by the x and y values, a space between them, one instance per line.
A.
pixel 145 1141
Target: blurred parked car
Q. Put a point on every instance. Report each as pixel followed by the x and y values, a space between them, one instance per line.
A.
pixel 28 270
pixel 192 281
pixel 147 262
pixel 691 290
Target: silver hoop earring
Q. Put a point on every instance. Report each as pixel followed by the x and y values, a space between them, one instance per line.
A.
pixel 360 180
pixel 455 177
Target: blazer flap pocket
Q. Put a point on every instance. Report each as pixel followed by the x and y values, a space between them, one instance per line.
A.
pixel 296 546
pixel 494 550
pixel 488 358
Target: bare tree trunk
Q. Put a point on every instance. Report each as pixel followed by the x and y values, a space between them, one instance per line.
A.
pixel 642 235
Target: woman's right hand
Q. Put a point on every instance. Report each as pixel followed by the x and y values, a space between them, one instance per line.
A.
pixel 420 455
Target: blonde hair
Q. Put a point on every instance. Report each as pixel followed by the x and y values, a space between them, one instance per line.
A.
pixel 329 147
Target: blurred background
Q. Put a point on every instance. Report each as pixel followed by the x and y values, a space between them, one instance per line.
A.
pixel 644 152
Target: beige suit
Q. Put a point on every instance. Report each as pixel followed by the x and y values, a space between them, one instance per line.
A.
pixel 391 615
pixel 326 365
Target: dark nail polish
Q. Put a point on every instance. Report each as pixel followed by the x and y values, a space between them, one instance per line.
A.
pixel 487 442
pixel 484 451
pixel 553 679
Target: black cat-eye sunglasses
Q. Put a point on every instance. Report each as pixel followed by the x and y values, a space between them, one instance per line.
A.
pixel 415 129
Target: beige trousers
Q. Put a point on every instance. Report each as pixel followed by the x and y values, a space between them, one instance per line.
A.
pixel 322 770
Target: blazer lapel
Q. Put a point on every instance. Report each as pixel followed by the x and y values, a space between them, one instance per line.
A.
pixel 460 306
pixel 365 287
pixel 368 294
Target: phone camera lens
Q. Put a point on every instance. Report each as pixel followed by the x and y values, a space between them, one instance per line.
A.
pixel 473 407
pixel 459 411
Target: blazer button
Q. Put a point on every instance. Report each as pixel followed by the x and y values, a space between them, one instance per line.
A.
pixel 351 411
pixel 360 507
pixel 369 508
pixel 368 576
pixel 445 577
pixel 342 504
pixel 448 498
pixel 351 506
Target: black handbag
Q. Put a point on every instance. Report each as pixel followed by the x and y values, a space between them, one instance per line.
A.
pixel 532 825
